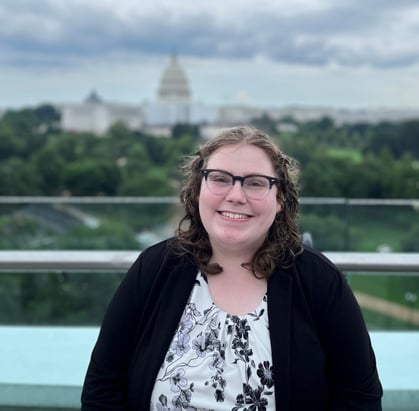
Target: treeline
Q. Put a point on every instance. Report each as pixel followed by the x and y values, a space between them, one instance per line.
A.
pixel 354 160
pixel 37 158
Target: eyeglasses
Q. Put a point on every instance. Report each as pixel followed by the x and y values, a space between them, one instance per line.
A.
pixel 255 186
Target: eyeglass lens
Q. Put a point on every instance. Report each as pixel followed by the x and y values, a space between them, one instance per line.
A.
pixel 219 183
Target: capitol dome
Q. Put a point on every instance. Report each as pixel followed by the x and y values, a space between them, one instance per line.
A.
pixel 174 87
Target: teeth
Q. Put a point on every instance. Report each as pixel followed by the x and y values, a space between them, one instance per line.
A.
pixel 236 216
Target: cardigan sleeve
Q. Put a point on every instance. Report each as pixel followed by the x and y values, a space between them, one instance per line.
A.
pixel 105 386
pixel 350 361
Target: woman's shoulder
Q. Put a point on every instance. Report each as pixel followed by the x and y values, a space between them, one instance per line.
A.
pixel 156 263
pixel 157 250
pixel 324 285
pixel 315 259
pixel 314 268
pixel 163 252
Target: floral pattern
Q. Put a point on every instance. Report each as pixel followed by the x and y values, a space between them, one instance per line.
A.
pixel 216 361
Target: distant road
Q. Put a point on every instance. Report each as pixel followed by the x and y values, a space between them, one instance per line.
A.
pixel 393 310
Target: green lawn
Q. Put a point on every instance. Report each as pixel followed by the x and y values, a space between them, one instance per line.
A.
pixel 391 288
pixel 380 322
pixel 354 155
pixel 369 236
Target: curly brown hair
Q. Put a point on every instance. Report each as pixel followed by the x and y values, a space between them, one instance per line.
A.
pixel 283 241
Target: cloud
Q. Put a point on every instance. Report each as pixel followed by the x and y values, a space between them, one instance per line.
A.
pixel 377 33
pixel 263 52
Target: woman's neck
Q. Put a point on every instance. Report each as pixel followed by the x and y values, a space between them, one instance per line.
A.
pixel 236 290
pixel 231 258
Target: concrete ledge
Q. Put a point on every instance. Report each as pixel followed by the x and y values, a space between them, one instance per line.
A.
pixel 40 396
pixel 401 400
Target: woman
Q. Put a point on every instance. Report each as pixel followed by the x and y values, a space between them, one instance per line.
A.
pixel 233 313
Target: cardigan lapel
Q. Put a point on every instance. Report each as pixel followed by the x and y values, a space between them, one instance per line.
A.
pixel 166 303
pixel 279 312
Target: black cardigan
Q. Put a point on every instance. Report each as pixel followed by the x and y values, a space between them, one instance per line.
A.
pixel 321 351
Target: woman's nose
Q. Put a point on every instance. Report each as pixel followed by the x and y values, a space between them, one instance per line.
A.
pixel 236 193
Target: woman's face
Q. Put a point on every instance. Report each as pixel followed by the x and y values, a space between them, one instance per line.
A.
pixel 233 221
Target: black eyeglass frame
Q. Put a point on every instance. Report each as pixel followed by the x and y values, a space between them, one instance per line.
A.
pixel 272 180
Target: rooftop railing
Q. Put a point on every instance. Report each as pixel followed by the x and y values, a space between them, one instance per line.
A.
pixel 64 260
pixel 43 367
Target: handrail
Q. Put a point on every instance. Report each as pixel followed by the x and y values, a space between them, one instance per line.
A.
pixel 93 260
pixel 119 200
pixel 88 200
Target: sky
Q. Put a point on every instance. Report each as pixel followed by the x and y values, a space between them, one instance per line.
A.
pixel 268 53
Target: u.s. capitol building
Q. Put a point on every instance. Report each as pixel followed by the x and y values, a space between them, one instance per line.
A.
pixel 174 104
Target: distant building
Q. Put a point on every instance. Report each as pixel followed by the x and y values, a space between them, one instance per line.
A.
pixel 174 105
pixel 174 102
pixel 96 116
pixel 174 85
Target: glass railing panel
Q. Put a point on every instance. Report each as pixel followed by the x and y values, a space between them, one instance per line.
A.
pixel 55 298
pixel 86 223
pixel 361 224
pixel 335 224
pixel 46 314
pixel 389 302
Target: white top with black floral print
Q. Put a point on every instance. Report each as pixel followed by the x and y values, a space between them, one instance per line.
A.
pixel 216 361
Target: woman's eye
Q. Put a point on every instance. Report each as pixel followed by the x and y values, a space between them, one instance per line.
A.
pixel 220 179
pixel 256 183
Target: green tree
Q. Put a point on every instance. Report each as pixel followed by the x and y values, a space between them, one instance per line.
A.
pixel 91 177
pixel 155 149
pixel 328 232
pixel 18 178
pixel 21 232
pixel 319 179
pixel 49 166
pixel 265 123
pixel 109 235
pixel 183 129
pixel 154 182
pixel 10 145
pixel 120 139
pixel 410 241
pixel 400 138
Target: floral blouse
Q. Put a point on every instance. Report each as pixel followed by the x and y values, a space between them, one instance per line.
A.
pixel 216 361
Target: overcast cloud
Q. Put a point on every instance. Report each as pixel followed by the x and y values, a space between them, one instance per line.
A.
pixel 361 40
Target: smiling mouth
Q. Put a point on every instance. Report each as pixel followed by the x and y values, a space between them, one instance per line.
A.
pixel 234 216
